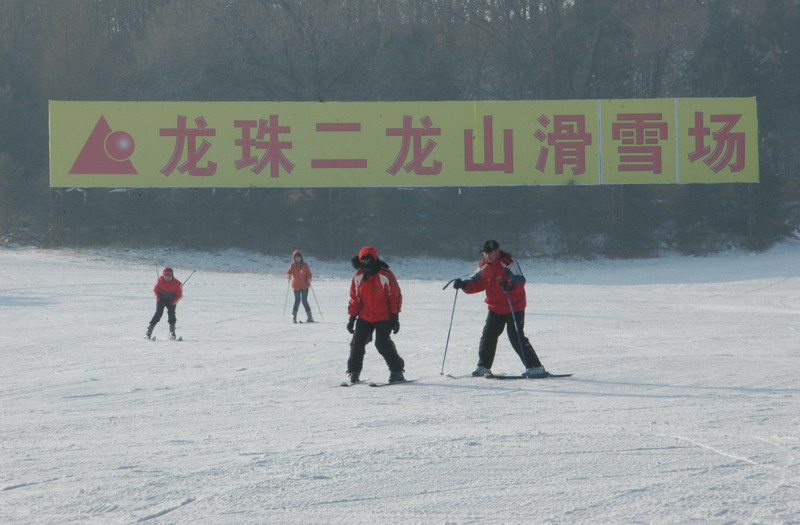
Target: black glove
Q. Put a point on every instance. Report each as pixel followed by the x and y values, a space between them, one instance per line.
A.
pixel 506 286
pixel 351 324
pixel 458 284
pixel 395 323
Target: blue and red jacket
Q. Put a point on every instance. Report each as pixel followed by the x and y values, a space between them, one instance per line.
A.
pixel 168 292
pixel 487 278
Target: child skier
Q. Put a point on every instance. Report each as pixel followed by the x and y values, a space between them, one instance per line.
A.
pixel 168 292
pixel 299 274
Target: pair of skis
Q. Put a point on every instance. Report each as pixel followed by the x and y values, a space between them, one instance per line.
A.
pixel 506 376
pixel 153 338
pixel 492 376
pixel 372 383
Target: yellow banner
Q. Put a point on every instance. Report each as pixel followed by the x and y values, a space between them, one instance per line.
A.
pixel 407 144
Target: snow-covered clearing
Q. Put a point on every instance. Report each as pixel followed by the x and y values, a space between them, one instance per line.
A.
pixel 684 406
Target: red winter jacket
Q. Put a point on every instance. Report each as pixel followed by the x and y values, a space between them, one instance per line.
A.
pixel 300 273
pixel 169 292
pixel 488 278
pixel 375 297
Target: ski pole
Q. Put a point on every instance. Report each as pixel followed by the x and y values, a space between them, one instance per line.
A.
pixel 187 279
pixel 516 329
pixel 447 343
pixel 315 300
pixel 286 301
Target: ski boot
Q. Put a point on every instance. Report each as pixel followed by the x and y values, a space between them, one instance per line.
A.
pixel 294 317
pixel 354 377
pixel 310 317
pixel 535 372
pixel 172 332
pixel 149 333
pixel 396 377
pixel 481 371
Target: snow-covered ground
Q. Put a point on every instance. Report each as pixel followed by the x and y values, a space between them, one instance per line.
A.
pixel 684 406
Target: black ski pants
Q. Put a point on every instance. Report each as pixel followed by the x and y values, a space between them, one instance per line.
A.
pixel 495 324
pixel 160 305
pixel 383 342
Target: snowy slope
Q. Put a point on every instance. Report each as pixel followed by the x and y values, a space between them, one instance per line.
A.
pixel 683 408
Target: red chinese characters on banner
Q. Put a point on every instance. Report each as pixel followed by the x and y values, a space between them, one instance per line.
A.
pixel 412 140
pixel 727 145
pixel 188 137
pixel 640 135
pixel 338 163
pixel 507 166
pixel 569 141
pixel 264 144
pixel 273 147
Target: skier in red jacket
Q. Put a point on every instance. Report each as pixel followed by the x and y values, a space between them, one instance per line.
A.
pixel 375 302
pixel 168 292
pixel 299 274
pixel 500 276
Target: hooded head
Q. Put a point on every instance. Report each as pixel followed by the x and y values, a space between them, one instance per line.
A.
pixel 168 272
pixel 297 253
pixel 368 251
pixel 368 261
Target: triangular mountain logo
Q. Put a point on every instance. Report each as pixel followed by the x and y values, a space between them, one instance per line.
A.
pixel 106 152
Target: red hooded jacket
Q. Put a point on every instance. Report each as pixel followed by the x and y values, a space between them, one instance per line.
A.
pixel 488 278
pixel 374 295
pixel 169 292
pixel 299 272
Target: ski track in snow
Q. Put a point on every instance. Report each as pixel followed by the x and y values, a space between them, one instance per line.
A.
pixel 683 407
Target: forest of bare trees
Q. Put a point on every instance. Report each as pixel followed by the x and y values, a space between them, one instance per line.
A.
pixel 400 50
